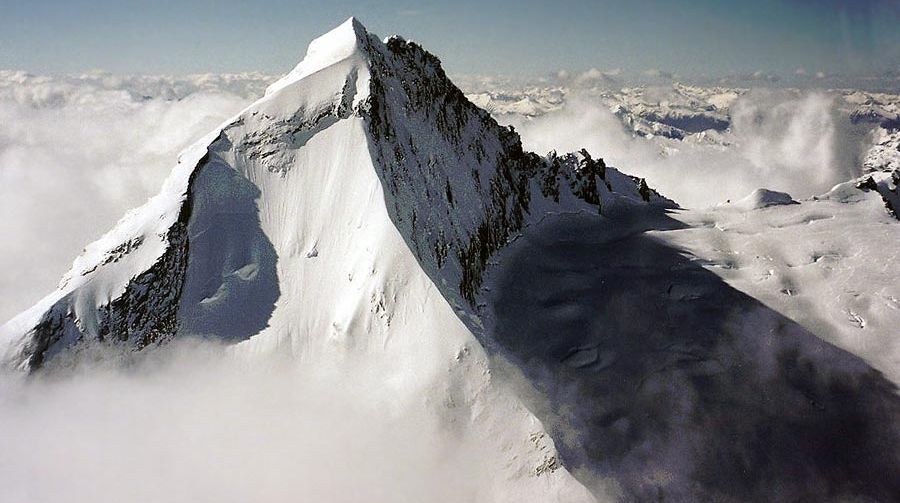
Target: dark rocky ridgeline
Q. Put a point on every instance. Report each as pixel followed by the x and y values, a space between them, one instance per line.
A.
pixel 428 136
pixel 147 312
pixel 463 132
pixel 144 314
pixel 890 195
pixel 872 116
pixel 217 219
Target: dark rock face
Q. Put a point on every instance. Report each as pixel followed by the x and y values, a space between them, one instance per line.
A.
pixel 153 307
pixel 144 314
pixel 415 114
pixel 435 106
pixel 890 195
pixel 873 116
pixel 867 184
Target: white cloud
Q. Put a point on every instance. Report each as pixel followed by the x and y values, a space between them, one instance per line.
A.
pixel 77 151
pixel 196 422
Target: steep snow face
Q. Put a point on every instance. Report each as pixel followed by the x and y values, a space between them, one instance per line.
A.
pixel 347 216
pixel 339 45
pixel 128 285
pixel 124 286
pixel 688 362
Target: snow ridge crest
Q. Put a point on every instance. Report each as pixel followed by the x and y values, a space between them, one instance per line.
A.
pixel 339 44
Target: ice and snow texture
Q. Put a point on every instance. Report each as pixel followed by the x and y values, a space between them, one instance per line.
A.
pixel 651 370
pixel 829 263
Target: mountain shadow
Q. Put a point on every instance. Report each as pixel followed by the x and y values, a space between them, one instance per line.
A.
pixel 654 372
pixel 231 283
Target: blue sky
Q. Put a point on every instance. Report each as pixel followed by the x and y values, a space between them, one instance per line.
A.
pixel 529 38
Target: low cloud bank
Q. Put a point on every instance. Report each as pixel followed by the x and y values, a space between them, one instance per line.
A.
pixel 194 421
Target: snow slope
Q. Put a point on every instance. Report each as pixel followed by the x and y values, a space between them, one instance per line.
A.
pixel 746 352
pixel 726 353
pixel 347 216
pixel 830 263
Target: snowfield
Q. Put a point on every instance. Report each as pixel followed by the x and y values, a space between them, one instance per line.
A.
pixel 362 287
pixel 829 263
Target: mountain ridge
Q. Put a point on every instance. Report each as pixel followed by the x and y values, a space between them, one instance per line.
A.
pixel 344 219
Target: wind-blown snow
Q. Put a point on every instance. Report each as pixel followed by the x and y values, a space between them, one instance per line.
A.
pixel 800 144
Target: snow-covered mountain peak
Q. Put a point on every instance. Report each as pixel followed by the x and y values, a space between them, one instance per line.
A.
pixel 349 215
pixel 358 122
pixel 342 43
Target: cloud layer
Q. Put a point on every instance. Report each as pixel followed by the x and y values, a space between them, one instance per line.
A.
pixel 196 422
pixel 76 152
